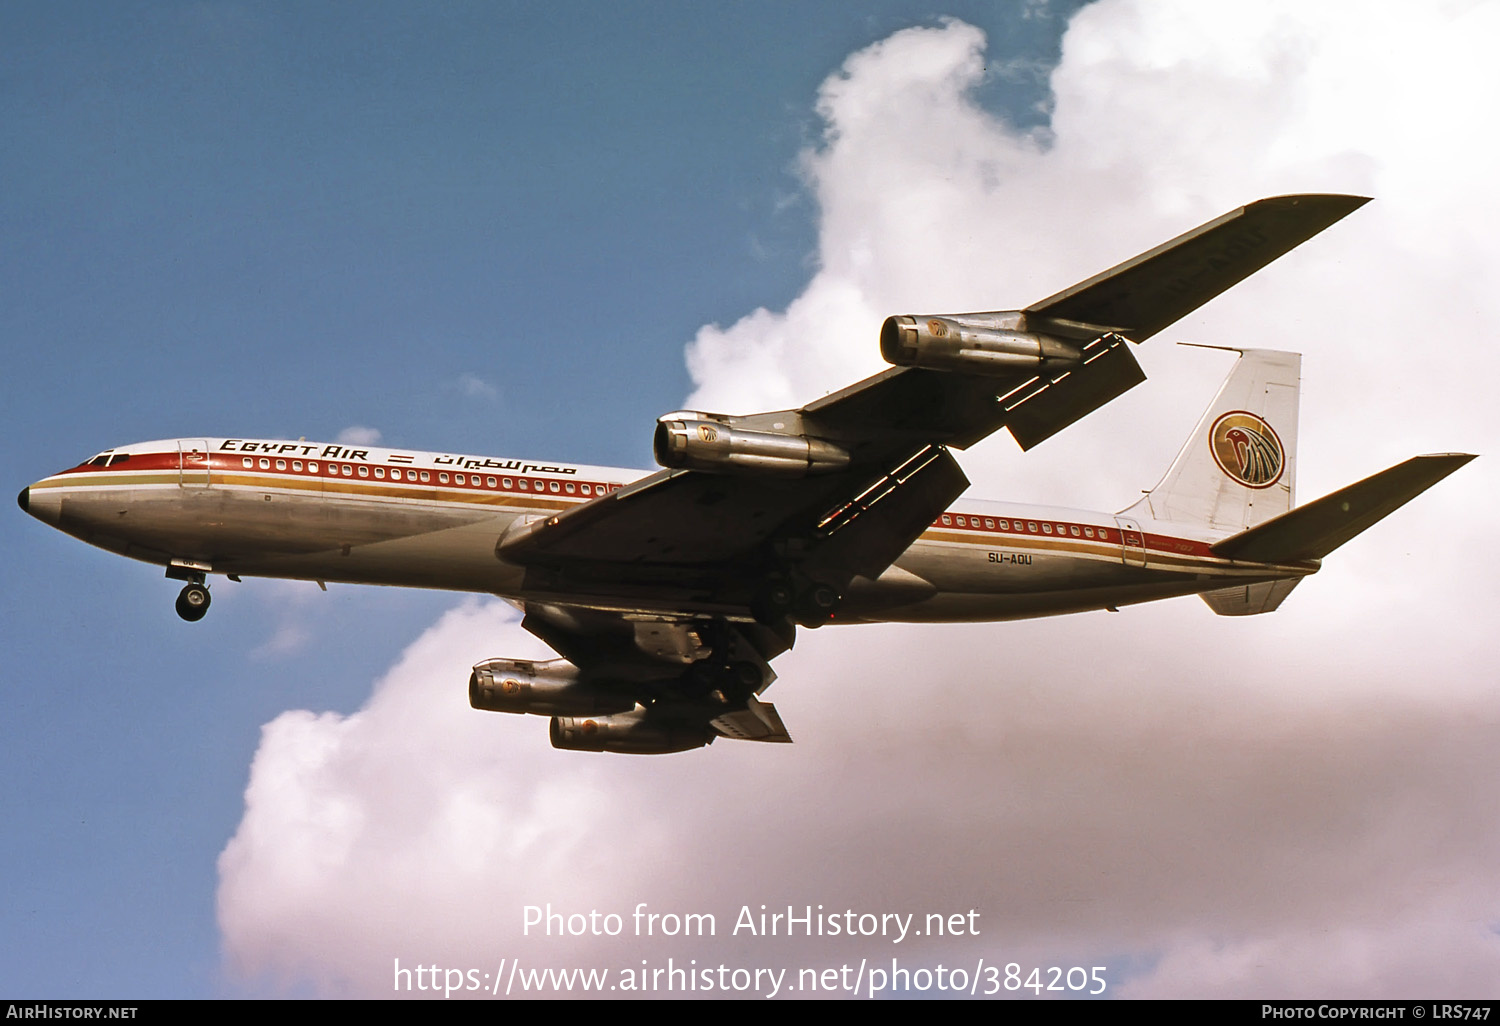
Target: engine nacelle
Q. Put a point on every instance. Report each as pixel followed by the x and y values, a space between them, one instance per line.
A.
pixel 974 344
pixel 697 441
pixel 549 688
pixel 631 733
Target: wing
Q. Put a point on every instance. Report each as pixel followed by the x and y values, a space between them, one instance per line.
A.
pixel 1133 300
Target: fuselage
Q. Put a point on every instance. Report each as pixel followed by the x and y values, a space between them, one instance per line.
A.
pixel 367 515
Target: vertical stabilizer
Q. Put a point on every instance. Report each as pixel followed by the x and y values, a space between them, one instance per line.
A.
pixel 1238 467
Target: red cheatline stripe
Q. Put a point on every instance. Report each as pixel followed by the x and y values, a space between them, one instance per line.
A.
pixel 229 470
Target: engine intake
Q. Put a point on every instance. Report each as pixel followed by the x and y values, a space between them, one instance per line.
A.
pixel 698 441
pixel 630 733
pixel 549 688
pixel 975 344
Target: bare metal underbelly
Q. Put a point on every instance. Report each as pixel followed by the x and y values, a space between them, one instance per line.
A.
pixel 263 533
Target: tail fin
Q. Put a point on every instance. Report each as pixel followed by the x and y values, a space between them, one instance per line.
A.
pixel 1239 465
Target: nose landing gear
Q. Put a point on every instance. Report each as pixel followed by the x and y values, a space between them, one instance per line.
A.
pixel 192 602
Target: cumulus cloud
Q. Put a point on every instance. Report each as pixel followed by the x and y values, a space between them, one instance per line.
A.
pixel 1288 805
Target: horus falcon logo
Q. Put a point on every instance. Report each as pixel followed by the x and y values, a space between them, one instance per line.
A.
pixel 1245 448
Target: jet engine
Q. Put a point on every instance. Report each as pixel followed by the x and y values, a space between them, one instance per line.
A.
pixel 987 344
pixel 632 733
pixel 548 688
pixel 699 441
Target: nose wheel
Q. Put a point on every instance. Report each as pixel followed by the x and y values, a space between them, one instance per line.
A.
pixel 192 602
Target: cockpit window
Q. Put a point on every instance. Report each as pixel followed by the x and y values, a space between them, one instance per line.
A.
pixel 101 460
pixel 119 457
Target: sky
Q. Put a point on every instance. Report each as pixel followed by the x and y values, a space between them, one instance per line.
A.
pixel 529 231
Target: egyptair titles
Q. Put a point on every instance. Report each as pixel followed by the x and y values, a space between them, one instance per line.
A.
pixel 340 452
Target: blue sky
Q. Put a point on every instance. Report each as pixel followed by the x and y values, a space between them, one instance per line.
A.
pixel 512 229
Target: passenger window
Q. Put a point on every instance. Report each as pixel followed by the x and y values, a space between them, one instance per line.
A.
pixel 960 522
pixel 1073 531
pixel 507 482
pixel 425 476
pixel 489 482
pixel 989 525
pixel 248 462
pixel 1047 528
pixel 947 519
pixel 1088 532
pixel 553 485
pixel 265 464
pixel 1031 526
pixel 281 464
pixel 297 466
pixel 585 489
pixel 347 470
pixel 443 478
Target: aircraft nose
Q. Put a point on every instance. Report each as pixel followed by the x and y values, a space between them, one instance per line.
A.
pixel 45 504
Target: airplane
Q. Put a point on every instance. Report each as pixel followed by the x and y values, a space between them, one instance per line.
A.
pixel 666 595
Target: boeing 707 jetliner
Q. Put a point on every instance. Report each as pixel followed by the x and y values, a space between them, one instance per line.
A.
pixel 667 594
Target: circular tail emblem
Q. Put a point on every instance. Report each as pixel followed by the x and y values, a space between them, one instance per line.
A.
pixel 1245 448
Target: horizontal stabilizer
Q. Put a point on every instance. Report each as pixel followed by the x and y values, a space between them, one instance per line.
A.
pixel 1250 599
pixel 1316 529
pixel 758 721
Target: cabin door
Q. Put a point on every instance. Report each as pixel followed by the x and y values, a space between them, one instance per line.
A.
pixel 1132 542
pixel 192 463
